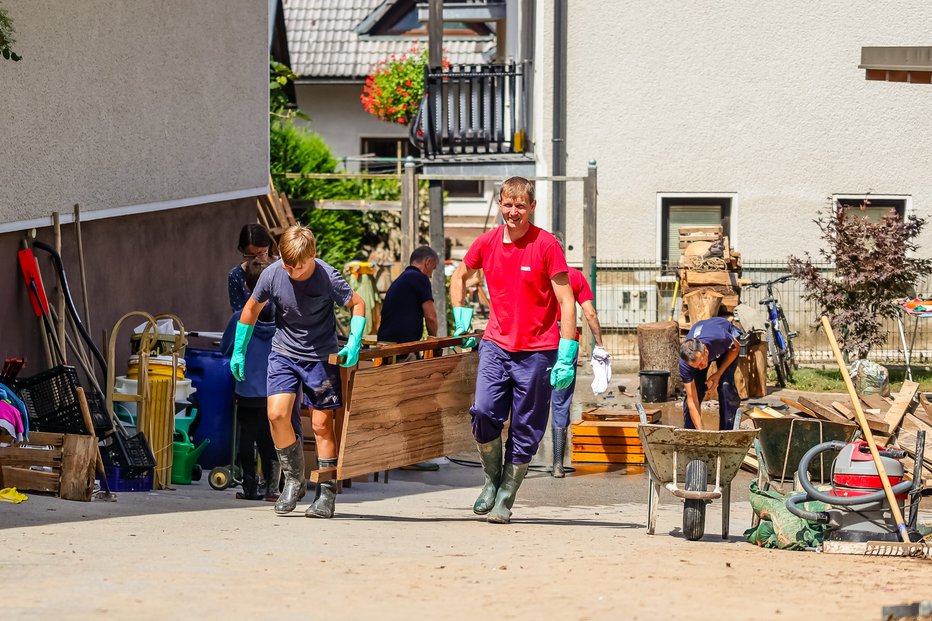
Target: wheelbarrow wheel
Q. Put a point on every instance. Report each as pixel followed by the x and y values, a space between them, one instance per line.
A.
pixel 220 478
pixel 697 478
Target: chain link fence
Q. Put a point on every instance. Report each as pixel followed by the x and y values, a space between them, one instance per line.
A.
pixel 629 293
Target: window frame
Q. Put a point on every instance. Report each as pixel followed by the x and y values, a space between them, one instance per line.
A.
pixel 905 199
pixel 729 211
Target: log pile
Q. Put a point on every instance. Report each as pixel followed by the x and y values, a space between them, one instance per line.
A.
pixel 709 275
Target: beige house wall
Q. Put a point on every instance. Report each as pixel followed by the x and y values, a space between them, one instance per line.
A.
pixel 127 106
pixel 765 101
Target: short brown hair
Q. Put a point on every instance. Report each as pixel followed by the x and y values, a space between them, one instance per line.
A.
pixel 515 187
pixel 297 244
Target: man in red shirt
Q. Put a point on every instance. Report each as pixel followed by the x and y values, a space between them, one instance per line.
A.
pixel 523 354
pixel 563 399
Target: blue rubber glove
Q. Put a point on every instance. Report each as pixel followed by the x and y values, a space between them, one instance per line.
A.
pixel 354 342
pixel 462 321
pixel 238 361
pixel 563 372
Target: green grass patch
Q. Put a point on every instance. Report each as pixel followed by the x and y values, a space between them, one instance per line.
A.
pixel 828 379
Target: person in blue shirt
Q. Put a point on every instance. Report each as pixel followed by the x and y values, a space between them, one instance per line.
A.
pixel 251 395
pixel 304 290
pixel 256 243
pixel 711 340
pixel 409 302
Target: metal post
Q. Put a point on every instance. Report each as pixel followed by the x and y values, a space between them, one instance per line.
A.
pixel 435 34
pixel 409 210
pixel 438 243
pixel 590 211
pixel 558 200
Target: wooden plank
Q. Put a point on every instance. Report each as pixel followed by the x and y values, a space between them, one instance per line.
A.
pixel 79 458
pixel 25 457
pixel 608 450
pixel 620 415
pixel 772 412
pixel 607 441
pixel 925 412
pixel 405 413
pixel 901 404
pixel 714 278
pixel 30 480
pixel 588 458
pixel 759 413
pixel 876 402
pixel 799 406
pixel 875 424
pixel 43 438
pixel 360 205
pixel 401 349
pixel 702 230
pixel 819 410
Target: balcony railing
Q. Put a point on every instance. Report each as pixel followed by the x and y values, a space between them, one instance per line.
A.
pixel 471 109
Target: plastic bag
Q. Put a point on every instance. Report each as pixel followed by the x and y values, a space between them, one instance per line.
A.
pixel 869 378
pixel 601 369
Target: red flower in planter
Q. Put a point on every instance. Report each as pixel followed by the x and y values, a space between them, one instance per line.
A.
pixel 394 86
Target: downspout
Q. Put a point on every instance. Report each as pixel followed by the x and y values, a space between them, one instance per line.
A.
pixel 558 211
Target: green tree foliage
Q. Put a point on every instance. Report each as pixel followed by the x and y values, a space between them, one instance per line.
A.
pixel 875 263
pixel 280 107
pixel 7 37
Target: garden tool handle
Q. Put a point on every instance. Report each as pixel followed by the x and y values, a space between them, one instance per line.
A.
pixel 868 436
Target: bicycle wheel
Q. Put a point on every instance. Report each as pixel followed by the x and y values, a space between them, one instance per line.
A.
pixel 776 357
pixel 790 352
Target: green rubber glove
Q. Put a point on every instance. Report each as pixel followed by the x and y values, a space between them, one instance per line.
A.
pixel 238 361
pixel 563 372
pixel 354 342
pixel 462 321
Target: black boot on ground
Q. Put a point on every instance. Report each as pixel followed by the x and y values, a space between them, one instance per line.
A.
pixel 292 463
pixel 250 488
pixel 273 482
pixel 559 449
pixel 326 497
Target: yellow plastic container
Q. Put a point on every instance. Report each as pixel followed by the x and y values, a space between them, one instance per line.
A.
pixel 158 367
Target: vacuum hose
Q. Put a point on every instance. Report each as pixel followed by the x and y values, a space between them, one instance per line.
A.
pixel 813 494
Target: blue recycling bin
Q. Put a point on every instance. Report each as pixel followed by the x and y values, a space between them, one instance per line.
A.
pixel 209 372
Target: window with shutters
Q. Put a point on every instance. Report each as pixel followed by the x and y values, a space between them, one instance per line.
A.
pixel 689 211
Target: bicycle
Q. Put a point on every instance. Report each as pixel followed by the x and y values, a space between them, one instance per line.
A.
pixel 779 336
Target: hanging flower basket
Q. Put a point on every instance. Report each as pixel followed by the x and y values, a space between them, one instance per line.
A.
pixel 395 87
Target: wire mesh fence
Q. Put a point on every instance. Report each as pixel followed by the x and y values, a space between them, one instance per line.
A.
pixel 629 293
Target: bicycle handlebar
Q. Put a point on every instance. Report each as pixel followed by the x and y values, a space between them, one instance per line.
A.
pixel 770 283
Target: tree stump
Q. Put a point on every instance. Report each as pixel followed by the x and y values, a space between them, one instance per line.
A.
pixel 659 348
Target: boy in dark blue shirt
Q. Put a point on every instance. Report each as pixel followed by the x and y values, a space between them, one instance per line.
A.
pixel 409 301
pixel 710 340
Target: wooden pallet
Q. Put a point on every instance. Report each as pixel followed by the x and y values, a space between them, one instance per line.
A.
pixel 274 211
pixel 71 459
pixel 606 442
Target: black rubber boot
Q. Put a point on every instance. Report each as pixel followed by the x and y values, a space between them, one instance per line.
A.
pixel 273 481
pixel 559 447
pixel 250 488
pixel 292 464
pixel 326 496
pixel 512 476
pixel 490 454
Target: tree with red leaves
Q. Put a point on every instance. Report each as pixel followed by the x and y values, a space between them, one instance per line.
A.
pixel 875 263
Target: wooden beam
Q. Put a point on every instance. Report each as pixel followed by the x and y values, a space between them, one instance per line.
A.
pixel 79 458
pixel 901 403
pixel 877 425
pixel 360 205
pixel 402 349
pixel 30 480
pixel 799 406
pixel 823 412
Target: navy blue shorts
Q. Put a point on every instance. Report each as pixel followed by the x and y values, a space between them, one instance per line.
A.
pixel 319 382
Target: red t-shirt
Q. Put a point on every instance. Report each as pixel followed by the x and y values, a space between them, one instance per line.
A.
pixel 524 309
pixel 581 290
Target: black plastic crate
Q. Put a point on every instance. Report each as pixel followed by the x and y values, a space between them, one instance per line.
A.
pixel 131 453
pixel 52 402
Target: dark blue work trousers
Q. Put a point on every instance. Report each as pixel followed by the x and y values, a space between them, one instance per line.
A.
pixel 515 383
pixel 728 400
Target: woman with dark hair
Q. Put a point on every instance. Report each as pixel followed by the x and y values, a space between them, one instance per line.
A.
pixel 256 244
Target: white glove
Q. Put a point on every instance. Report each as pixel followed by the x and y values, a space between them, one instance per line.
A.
pixel 601 370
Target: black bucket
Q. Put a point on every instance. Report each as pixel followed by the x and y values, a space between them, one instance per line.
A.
pixel 654 385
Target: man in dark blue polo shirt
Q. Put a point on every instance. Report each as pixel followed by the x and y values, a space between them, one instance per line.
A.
pixel 409 302
pixel 711 340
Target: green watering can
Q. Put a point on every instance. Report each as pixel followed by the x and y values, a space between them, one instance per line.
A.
pixel 184 464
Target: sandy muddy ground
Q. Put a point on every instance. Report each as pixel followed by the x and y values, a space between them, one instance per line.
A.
pixel 577 549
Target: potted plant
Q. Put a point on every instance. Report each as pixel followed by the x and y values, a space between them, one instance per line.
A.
pixel 395 87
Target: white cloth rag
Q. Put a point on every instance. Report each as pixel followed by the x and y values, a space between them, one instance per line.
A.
pixel 602 370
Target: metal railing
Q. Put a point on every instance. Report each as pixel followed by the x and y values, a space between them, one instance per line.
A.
pixel 632 292
pixel 471 109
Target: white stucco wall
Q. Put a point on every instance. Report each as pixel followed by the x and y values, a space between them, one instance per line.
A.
pixel 338 116
pixel 762 100
pixel 125 105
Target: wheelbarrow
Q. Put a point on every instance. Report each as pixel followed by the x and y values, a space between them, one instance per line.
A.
pixel 680 460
